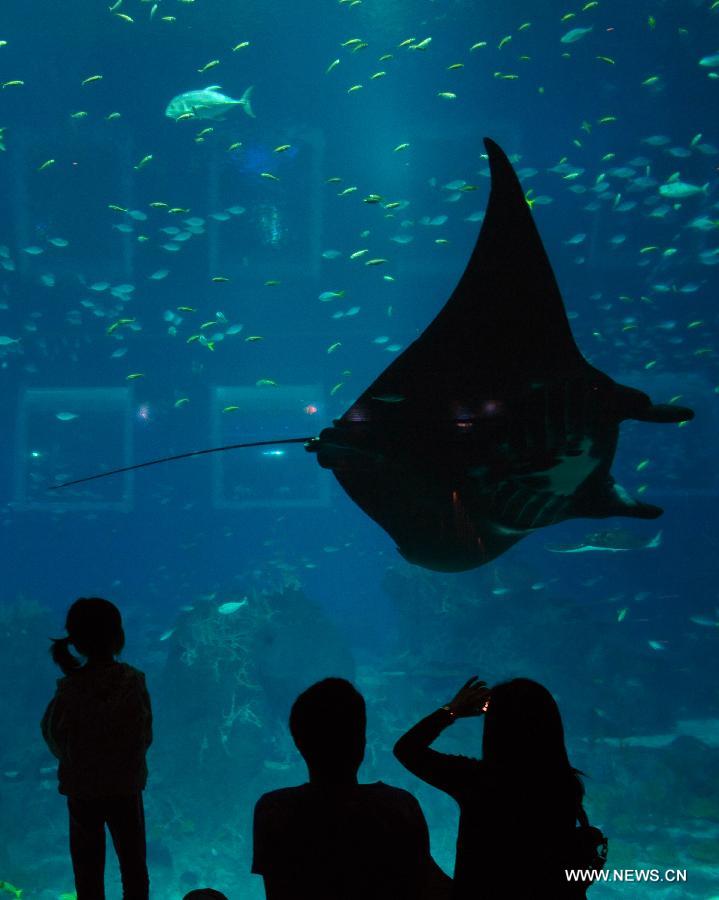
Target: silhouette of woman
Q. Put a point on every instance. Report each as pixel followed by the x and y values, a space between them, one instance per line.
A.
pixel 99 726
pixel 518 805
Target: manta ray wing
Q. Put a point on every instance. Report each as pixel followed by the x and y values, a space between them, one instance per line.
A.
pixel 491 424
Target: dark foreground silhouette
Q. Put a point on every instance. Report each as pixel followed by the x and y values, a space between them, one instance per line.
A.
pixel 333 838
pixel 99 726
pixel 519 804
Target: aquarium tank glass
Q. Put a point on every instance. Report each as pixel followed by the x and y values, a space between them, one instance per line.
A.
pixel 222 222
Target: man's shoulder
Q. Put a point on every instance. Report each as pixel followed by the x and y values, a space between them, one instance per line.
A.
pixel 390 794
pixel 283 797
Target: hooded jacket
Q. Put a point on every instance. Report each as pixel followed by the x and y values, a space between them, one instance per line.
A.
pixel 99 726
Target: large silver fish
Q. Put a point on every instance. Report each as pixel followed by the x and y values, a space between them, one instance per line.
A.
pixel 209 103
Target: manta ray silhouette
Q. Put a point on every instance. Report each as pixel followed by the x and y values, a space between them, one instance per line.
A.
pixel 491 424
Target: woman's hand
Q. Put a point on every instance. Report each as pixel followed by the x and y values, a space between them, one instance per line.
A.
pixel 471 699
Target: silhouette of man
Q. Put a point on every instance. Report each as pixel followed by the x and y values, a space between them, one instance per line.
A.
pixel 333 838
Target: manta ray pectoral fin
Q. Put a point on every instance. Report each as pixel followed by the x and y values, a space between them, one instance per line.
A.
pixel 634 404
pixel 665 412
pixel 612 500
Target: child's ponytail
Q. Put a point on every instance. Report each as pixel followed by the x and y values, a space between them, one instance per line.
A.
pixel 60 652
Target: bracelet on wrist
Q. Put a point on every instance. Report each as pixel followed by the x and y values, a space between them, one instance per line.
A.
pixel 450 712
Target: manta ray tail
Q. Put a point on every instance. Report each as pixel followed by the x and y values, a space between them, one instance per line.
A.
pixel 164 459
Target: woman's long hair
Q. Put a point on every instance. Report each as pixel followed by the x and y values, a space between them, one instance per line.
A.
pixel 524 736
pixel 94 628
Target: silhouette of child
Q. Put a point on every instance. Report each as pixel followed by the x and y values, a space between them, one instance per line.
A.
pixel 99 726
pixel 204 894
pixel 518 805
pixel 333 838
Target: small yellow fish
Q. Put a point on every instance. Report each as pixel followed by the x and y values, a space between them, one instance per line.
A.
pixel 282 148
pixel 80 114
pixel 607 59
pixel 220 279
pixel 358 253
pixel 333 347
pixel 335 62
pixel 478 45
pixel 181 402
pixel 272 282
pixel 266 382
pixel 351 42
pixel 115 208
pixel 447 95
pixel 505 40
pixel 422 45
pixel 183 117
pixel 622 613
pixel 385 57
pixel 230 409
pixel 355 87
pixel 377 75
pixel 113 116
pixel 399 147
pixel 375 262
pixel 186 309
pixel 336 388
pixel 455 66
pixel 253 338
pixel 269 176
pixel 143 162
pixel 91 79
pixel 234 146
pixel 192 338
pixel 605 119
pixel 210 65
pixel 46 165
pixel 124 17
pixel 346 191
pixel 179 210
pixel 158 204
pixel 208 324
pixel 134 375
pixel 240 46
pixel 14 83
pixel 642 465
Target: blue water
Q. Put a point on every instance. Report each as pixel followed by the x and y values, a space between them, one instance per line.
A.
pixel 638 273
